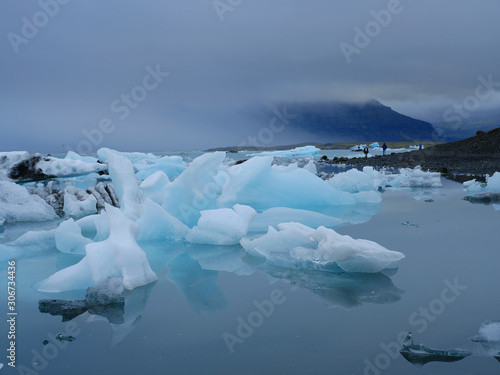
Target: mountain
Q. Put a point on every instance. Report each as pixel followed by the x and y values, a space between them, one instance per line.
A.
pixel 370 121
pixel 461 128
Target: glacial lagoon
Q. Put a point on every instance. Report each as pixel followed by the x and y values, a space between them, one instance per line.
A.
pixel 217 310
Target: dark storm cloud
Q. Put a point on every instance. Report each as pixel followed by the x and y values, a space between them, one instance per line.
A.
pixel 59 80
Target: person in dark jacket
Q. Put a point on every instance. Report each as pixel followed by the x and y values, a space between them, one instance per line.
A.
pixel 365 151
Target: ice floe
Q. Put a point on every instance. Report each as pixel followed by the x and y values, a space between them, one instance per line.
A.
pixel 295 244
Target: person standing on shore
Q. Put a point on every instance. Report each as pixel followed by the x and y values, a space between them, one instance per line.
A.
pixel 384 147
pixel 365 151
pixel 420 146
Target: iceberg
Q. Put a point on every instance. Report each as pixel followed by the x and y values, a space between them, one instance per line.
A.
pixel 157 224
pixel 358 147
pixel 413 178
pixel 38 167
pixel 18 205
pixel 261 185
pixel 78 203
pixel 223 226
pixel 8 159
pixel 67 167
pixel 154 187
pixel 296 245
pixel 489 336
pixel 492 185
pixel 69 238
pixel 125 182
pixel 352 181
pixel 118 255
pixel 196 189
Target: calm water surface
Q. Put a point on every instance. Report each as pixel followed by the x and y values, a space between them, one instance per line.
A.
pixel 213 313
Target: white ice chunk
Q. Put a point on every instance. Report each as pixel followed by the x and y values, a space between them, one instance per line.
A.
pixel 196 188
pixel 492 185
pixel 154 187
pixel 276 215
pixel 358 147
pixel 353 181
pixel 296 244
pixel 412 178
pixel 223 226
pixel 16 204
pixel 9 159
pixel 489 331
pixel 259 184
pixel 52 166
pixel 118 255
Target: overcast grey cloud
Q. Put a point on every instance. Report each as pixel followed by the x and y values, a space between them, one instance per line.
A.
pixel 60 80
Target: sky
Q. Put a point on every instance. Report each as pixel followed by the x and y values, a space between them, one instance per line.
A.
pixel 170 75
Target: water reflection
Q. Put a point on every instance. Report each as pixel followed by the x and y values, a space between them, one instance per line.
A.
pixel 420 354
pixel 198 285
pixel 195 274
pixel 121 311
pixel 347 290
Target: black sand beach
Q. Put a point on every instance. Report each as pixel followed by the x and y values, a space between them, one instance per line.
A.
pixel 462 160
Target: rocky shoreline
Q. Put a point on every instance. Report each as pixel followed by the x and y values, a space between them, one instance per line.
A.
pixel 462 160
